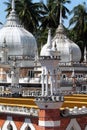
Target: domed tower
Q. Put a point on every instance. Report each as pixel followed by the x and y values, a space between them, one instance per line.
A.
pixel 69 51
pixel 21 44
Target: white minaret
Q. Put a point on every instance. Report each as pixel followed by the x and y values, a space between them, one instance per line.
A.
pixel 50 100
pixel 49 60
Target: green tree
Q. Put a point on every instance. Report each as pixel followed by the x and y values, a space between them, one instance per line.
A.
pixel 79 23
pixel 52 8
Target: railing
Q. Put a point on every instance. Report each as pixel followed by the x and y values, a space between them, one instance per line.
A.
pixel 54 98
pixel 18 110
pixel 31 93
pixel 74 111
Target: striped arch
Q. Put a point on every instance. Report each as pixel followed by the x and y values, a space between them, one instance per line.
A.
pixel 9 120
pixel 73 123
pixel 26 123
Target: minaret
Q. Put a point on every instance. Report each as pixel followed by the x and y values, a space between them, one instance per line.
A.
pixel 50 101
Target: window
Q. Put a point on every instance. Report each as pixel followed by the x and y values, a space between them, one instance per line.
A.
pixel 9 127
pixel 64 76
pixel 31 73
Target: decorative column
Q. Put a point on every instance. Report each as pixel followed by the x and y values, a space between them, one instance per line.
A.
pixel 51 82
pixel 71 56
pixel 14 75
pixel 73 80
pixel 4 52
pixel 42 82
pixel 46 91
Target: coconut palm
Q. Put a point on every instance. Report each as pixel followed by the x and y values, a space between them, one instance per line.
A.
pixel 79 22
pixel 79 19
pixel 51 19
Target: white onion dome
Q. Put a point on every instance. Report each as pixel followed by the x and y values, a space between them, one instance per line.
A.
pixel 19 41
pixel 69 51
pixel 47 49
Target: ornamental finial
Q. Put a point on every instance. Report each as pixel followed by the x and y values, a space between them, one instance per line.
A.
pixel 13 5
pixel 60 15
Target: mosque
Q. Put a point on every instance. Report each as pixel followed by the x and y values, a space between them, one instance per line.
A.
pixel 46 92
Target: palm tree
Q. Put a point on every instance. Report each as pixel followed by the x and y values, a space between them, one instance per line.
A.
pixel 79 22
pixel 51 19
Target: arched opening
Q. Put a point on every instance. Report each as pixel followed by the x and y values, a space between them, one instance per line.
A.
pixel 72 128
pixel 27 128
pixel 9 127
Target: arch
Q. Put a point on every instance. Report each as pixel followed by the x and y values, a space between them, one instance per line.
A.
pixel 27 124
pixel 72 128
pixel 9 123
pixel 73 124
pixel 27 128
pixel 9 127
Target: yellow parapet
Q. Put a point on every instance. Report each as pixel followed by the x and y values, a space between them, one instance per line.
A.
pixel 22 102
pixel 78 100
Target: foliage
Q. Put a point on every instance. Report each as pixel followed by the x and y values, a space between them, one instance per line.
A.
pixel 79 22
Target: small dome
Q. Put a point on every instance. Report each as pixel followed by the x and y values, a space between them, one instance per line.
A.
pixel 65 46
pixel 19 41
pixel 47 49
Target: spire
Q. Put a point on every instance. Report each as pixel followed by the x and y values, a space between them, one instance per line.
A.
pixel 60 21
pixel 49 38
pixel 60 28
pixel 13 5
pixel 13 20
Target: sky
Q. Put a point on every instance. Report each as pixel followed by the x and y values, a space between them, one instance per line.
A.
pixel 66 22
